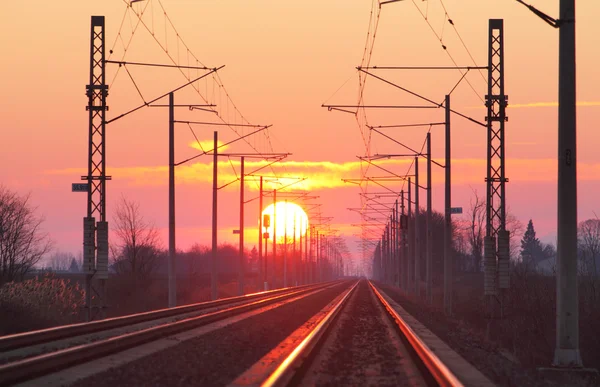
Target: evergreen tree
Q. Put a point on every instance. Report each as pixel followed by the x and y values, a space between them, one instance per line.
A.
pixel 74 267
pixel 531 248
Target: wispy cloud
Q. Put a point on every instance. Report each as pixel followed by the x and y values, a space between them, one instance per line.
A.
pixel 329 175
pixel 317 174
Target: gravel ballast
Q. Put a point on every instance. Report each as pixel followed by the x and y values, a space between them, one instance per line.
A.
pixel 363 349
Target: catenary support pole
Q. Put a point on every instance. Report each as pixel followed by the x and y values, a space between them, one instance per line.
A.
pixel 417 233
pixel 261 271
pixel 403 252
pixel 274 222
pixel 285 265
pixel 302 271
pixel 567 352
pixel 241 270
pixel 213 267
pixel 171 264
pixel 320 255
pixel 311 270
pixel 397 232
pixel 294 257
pixel 266 272
pixel 307 262
pixel 410 261
pixel 428 236
pixel 95 226
pixel 448 264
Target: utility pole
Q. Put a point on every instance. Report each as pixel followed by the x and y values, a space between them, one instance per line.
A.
pixel 417 229
pixel 241 262
pixel 266 273
pixel 567 300
pixel 411 242
pixel 384 256
pixel 311 273
pixel 404 255
pixel 307 262
pixel 261 273
pixel 566 352
pixel 320 256
pixel 383 265
pixel 285 245
pixel 428 239
pixel 213 273
pixel 386 239
pixel 294 258
pixel 397 269
pixel 172 250
pixel 274 221
pixel 391 248
pixel 448 264
pixel 395 244
pixel 302 270
pixel 390 242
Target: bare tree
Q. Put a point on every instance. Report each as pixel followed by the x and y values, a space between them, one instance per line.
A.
pixel 22 242
pixel 589 245
pixel 138 248
pixel 60 260
pixel 475 229
pixel 515 227
pixel 462 259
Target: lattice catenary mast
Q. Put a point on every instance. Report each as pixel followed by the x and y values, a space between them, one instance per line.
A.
pixel 496 256
pixel 95 234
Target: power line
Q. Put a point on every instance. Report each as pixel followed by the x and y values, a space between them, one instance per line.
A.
pixel 176 61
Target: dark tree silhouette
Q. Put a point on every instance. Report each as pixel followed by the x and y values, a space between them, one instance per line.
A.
pixel 589 245
pixel 137 249
pixel 531 249
pixel 60 260
pixel 476 229
pixel 22 242
pixel 74 267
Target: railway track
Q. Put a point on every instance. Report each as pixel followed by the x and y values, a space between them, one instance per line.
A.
pixel 33 354
pixel 339 333
pixel 358 339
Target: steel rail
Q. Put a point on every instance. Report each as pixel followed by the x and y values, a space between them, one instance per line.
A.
pixel 26 339
pixel 36 366
pixel 442 375
pixel 293 363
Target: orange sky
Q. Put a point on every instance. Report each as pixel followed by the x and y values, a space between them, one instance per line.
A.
pixel 283 60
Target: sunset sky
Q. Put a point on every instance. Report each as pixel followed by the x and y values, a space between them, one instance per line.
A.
pixel 283 59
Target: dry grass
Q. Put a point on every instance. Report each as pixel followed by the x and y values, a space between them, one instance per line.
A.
pixel 509 350
pixel 49 301
pixel 39 303
pixel 127 296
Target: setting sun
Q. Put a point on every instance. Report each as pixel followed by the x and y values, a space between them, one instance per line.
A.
pixel 290 218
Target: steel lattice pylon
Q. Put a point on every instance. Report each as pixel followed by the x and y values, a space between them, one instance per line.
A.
pixel 496 256
pixel 95 239
pixel 96 92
